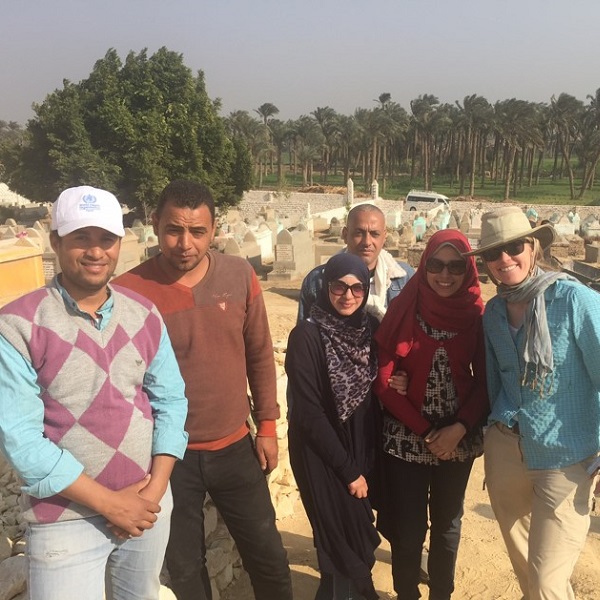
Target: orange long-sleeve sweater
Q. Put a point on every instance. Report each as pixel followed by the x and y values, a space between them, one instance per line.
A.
pixel 220 334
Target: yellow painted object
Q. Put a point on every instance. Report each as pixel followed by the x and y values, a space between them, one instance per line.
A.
pixel 20 271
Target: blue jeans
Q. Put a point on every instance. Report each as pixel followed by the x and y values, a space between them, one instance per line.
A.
pixel 416 492
pixel 72 560
pixel 238 487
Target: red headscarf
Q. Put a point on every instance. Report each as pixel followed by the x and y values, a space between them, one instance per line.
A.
pixel 459 313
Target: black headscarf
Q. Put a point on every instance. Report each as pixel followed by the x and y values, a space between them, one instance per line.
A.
pixel 351 365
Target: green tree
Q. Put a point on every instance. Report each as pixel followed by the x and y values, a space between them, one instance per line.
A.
pixel 255 135
pixel 518 123
pixel 384 99
pixel 427 122
pixel 130 127
pixel 393 121
pixel 266 112
pixel 280 137
pixel 566 114
pixel 346 142
pixel 476 115
pixel 326 118
pixel 589 148
pixel 308 141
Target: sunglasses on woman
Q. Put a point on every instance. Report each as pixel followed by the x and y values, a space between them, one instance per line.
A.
pixel 339 288
pixel 512 249
pixel 454 267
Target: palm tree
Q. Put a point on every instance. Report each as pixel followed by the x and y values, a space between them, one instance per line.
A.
pixel 255 135
pixel 308 140
pixel 266 111
pixel 371 128
pixel 280 136
pixel 566 114
pixel 393 121
pixel 476 117
pixel 326 118
pixel 346 140
pixel 589 151
pixel 517 123
pixel 427 122
pixel 384 99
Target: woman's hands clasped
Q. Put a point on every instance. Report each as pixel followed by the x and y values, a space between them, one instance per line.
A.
pixel 443 442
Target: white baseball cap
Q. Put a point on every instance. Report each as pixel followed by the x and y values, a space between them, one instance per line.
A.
pixel 85 206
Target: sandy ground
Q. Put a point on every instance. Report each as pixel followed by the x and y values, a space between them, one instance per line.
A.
pixel 483 570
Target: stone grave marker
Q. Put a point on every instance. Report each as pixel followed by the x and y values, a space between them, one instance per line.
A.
pixel 264 238
pixel 350 193
pixel 129 255
pixel 564 225
pixel 335 227
pixel 293 255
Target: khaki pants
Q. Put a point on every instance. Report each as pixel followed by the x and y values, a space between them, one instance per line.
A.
pixel 543 515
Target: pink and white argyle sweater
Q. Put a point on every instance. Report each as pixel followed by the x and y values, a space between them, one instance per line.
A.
pixel 91 387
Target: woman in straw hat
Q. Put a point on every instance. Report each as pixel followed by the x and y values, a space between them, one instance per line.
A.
pixel 432 429
pixel 542 333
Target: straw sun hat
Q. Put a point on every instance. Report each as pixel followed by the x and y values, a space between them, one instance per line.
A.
pixel 508 224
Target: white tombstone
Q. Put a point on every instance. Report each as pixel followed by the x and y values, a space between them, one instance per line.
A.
pixel 393 219
pixel 564 226
pixel 374 190
pixel 419 227
pixel 239 230
pixel 264 239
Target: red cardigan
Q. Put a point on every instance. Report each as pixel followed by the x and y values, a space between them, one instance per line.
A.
pixel 466 355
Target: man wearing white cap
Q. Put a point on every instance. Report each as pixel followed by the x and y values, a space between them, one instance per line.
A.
pixel 92 412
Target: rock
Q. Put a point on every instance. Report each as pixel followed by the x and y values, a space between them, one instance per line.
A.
pixel 210 518
pixel 19 547
pixel 5 548
pixel 13 577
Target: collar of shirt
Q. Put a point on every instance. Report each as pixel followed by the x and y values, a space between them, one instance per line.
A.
pixel 103 314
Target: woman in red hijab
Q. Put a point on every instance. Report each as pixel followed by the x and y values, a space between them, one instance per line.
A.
pixel 432 434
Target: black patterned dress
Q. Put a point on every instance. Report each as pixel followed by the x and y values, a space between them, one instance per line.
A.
pixel 326 455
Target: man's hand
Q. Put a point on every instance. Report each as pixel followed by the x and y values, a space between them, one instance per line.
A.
pixel 128 512
pixel 125 509
pixel 267 452
pixel 358 488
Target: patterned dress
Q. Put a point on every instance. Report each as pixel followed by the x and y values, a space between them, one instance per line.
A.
pixel 439 407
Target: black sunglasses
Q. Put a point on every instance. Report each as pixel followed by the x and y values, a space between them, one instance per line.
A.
pixel 455 267
pixel 512 249
pixel 339 288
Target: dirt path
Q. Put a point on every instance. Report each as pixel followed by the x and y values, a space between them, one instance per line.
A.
pixel 483 570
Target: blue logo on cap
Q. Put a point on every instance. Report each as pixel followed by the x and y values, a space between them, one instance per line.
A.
pixel 89 203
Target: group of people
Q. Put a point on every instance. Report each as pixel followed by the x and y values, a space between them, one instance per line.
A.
pixel 389 407
pixel 124 403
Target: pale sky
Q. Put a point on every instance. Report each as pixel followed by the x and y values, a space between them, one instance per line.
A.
pixel 304 54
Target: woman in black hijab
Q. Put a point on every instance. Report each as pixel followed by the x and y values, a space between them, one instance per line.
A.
pixel 332 428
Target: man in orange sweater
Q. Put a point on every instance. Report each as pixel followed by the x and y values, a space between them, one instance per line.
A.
pixel 215 315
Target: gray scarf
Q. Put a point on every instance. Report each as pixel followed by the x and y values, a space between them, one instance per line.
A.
pixel 537 351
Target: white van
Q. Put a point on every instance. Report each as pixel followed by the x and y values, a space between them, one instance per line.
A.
pixel 420 200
